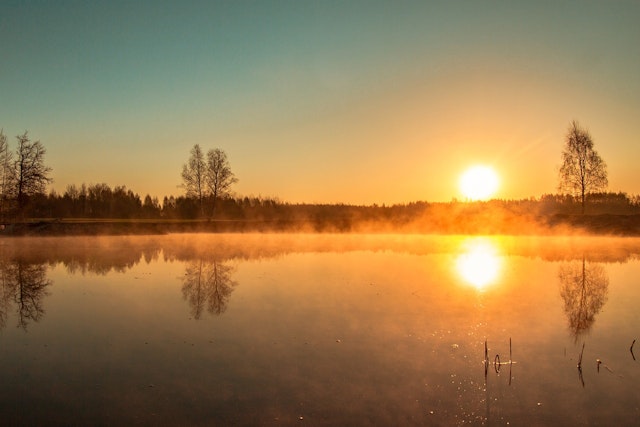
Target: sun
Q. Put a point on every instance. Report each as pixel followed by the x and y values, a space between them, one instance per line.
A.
pixel 479 183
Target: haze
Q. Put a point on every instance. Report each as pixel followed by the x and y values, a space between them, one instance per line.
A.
pixel 357 102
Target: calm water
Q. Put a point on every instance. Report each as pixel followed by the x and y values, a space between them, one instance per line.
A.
pixel 319 330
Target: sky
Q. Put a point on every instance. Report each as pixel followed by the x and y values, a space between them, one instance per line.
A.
pixel 355 102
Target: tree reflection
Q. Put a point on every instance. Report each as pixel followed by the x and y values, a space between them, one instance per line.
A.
pixel 24 285
pixel 207 284
pixel 583 287
pixel 5 296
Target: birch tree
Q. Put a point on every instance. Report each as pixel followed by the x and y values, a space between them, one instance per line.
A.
pixel 583 171
pixel 207 178
pixel 193 176
pixel 219 177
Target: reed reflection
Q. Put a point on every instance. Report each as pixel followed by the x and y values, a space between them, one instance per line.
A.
pixel 23 288
pixel 480 262
pixel 208 284
pixel 583 288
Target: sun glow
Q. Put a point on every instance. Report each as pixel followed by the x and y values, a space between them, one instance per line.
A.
pixel 478 183
pixel 479 264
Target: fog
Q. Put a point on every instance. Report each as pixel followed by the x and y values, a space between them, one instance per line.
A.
pixel 119 253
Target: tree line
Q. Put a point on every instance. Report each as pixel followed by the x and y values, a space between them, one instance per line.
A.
pixel 100 201
pixel 207 180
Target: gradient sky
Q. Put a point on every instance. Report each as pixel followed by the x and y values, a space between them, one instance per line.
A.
pixel 323 101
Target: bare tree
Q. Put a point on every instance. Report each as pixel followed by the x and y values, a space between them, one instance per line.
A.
pixel 211 177
pixel 193 176
pixel 31 175
pixel 6 173
pixel 219 176
pixel 583 171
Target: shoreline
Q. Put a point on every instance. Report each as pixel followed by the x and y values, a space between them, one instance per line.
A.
pixel 557 224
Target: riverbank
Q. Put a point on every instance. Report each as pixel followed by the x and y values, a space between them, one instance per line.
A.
pixel 90 227
pixel 604 224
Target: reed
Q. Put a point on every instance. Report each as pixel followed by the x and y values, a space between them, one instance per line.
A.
pixel 580 358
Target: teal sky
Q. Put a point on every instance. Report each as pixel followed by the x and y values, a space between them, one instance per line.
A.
pixel 325 101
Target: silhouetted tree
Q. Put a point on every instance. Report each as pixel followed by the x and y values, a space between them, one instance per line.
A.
pixel 583 288
pixel 208 178
pixel 583 171
pixel 150 207
pixel 169 207
pixel 187 207
pixel 6 174
pixel 99 197
pixel 31 175
pixel 71 201
pixel 194 176
pixel 218 177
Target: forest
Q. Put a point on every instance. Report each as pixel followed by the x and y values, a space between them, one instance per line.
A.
pixel 615 212
pixel 208 204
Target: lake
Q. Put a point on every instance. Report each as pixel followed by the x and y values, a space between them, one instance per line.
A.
pixel 319 329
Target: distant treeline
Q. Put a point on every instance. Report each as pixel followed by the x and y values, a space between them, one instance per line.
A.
pixel 100 201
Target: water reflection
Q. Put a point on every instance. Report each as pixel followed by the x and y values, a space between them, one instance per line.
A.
pixel 23 286
pixel 207 284
pixel 480 262
pixel 102 255
pixel 379 322
pixel 583 288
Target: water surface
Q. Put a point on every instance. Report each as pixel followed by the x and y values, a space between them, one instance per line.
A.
pixel 319 329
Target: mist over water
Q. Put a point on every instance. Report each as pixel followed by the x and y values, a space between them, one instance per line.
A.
pixel 326 329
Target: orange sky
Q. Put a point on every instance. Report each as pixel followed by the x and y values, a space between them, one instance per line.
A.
pixel 364 102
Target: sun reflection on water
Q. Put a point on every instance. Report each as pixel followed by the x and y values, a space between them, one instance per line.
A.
pixel 479 262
